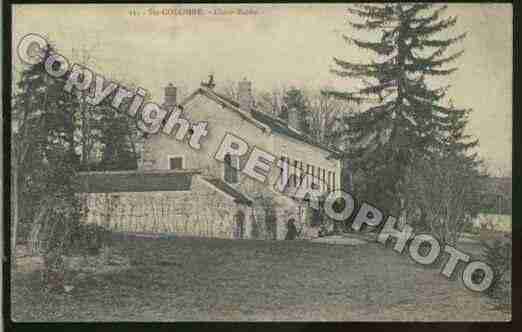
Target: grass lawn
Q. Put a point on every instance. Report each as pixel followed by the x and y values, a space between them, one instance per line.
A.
pixel 212 279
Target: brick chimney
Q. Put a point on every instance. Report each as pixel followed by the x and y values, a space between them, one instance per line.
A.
pixel 293 119
pixel 170 95
pixel 244 95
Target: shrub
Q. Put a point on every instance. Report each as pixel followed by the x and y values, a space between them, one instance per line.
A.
pixel 88 239
pixel 56 216
pixel 498 256
pixel 470 228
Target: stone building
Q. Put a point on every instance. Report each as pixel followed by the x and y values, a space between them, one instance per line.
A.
pixel 178 202
pixel 220 195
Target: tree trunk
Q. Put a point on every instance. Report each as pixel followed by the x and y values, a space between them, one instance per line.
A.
pixel 34 237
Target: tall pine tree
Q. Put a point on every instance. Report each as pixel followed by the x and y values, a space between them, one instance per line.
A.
pixel 456 141
pixel 117 132
pixel 43 149
pixel 403 117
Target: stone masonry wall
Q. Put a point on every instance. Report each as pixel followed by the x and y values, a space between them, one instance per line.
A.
pixel 200 212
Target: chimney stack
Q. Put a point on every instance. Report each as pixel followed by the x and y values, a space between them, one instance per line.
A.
pixel 170 95
pixel 244 93
pixel 293 119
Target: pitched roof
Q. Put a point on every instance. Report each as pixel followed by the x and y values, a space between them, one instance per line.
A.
pixel 280 127
pixel 135 181
pixel 225 102
pixel 238 196
pixel 266 120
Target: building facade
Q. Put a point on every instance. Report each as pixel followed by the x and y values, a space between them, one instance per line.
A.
pixel 254 209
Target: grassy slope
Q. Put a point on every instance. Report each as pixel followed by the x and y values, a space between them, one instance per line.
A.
pixel 211 279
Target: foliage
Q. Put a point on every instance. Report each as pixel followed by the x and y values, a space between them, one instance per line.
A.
pixel 444 188
pixel 118 150
pixel 319 113
pixel 294 100
pixel 403 117
pixel 88 238
pixel 270 101
pixel 442 196
pixel 470 228
pixel 44 158
pixel 53 133
pixel 499 255
pixel 324 118
pixel 57 212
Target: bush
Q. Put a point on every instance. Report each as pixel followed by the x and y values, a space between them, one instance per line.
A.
pixel 88 239
pixel 67 239
pixel 498 256
pixel 470 228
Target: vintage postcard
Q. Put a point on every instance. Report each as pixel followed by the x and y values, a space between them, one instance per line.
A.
pixel 260 162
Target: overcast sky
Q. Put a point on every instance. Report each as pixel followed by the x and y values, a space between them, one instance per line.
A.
pixel 278 45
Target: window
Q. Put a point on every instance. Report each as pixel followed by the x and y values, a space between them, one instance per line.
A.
pixel 231 168
pixel 176 163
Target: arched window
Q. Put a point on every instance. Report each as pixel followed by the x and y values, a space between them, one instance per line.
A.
pixel 231 168
pixel 291 230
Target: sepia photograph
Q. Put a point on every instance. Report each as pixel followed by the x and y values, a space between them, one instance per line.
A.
pixel 259 162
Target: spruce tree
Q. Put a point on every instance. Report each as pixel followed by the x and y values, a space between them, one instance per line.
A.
pixel 116 135
pixel 403 117
pixel 456 141
pixel 43 150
